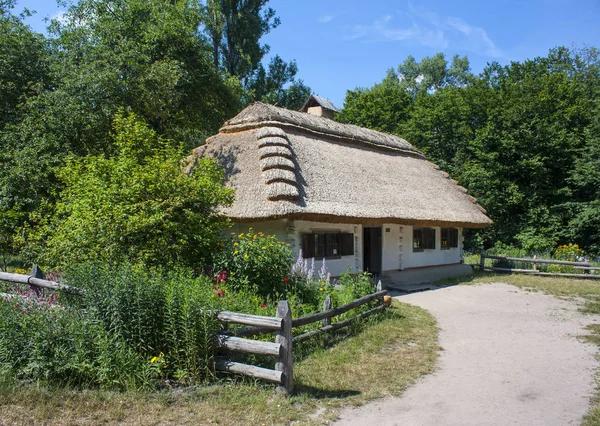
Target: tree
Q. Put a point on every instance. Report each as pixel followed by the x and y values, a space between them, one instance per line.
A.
pixel 234 28
pixel 384 107
pixel 142 56
pixel 23 63
pixel 137 205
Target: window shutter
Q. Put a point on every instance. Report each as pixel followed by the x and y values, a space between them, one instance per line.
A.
pixel 308 246
pixel 346 244
pixel 429 238
pixel 453 237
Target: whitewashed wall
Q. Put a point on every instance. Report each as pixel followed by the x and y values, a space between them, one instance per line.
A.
pixel 433 257
pixel 397 250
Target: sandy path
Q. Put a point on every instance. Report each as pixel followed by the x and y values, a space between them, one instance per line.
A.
pixel 510 357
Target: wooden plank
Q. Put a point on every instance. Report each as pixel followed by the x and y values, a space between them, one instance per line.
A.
pixel 587 268
pixel 236 344
pixel 27 279
pixel 547 261
pixel 247 319
pixel 337 311
pixel 249 331
pixel 527 271
pixel 326 307
pixel 549 274
pixel 249 370
pixel 285 361
pixel 336 326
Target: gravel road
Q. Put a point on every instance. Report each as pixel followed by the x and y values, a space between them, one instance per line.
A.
pixel 510 357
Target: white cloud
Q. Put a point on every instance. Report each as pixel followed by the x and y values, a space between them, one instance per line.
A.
pixel 427 29
pixel 325 18
pixel 59 16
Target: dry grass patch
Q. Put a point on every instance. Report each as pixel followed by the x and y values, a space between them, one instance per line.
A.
pixel 382 359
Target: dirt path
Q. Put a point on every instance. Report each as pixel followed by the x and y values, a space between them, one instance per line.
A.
pixel 509 357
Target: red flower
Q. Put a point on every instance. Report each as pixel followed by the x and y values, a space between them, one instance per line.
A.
pixel 285 279
pixel 263 305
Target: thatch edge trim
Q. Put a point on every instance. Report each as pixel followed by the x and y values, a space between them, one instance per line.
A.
pixel 236 128
pixel 325 218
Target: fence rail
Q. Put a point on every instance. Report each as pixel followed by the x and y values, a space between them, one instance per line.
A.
pixel 585 266
pixel 282 348
pixel 232 341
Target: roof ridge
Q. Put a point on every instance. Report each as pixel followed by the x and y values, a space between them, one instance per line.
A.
pixel 259 115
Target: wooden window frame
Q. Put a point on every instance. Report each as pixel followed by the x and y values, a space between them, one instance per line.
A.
pixel 423 239
pixel 449 238
pixel 334 241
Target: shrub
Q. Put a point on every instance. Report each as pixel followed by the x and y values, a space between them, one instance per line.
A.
pixel 136 205
pixel 257 263
pixel 132 329
pixel 569 252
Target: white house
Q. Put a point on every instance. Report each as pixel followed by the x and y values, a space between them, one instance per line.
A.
pixel 362 199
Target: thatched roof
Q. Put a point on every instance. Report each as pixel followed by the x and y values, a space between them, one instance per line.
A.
pixel 288 164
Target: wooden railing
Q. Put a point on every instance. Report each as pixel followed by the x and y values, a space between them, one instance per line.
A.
pixel 233 341
pixel 585 266
pixel 282 325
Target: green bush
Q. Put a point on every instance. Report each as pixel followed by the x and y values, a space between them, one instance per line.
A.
pixel 256 263
pixel 135 205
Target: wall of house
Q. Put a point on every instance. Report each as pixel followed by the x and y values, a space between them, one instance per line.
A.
pixel 435 256
pixel 336 267
pixel 397 251
pixel 291 232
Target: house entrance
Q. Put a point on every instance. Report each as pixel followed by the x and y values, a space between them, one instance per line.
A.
pixel 372 249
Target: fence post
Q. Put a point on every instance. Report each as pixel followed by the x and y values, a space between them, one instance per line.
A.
pixel 326 307
pixel 36 272
pixel 534 264
pixel 482 261
pixel 285 360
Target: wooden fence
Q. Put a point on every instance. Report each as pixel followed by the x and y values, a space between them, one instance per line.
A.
pixel 282 324
pixel 584 266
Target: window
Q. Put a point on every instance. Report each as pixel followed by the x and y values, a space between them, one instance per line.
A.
pixel 449 238
pixel 423 238
pixel 327 244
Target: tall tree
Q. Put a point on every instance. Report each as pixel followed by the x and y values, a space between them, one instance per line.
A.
pixel 235 29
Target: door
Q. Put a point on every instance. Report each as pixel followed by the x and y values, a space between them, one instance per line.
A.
pixel 372 249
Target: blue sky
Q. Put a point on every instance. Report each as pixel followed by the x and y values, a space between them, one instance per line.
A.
pixel 340 45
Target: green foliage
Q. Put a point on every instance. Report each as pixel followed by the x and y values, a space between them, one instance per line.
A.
pixel 137 205
pixel 132 329
pixel 522 138
pixel 256 263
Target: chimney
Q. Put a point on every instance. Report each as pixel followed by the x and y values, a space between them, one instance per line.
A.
pixel 321 107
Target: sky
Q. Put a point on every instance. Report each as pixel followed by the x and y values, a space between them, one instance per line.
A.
pixel 341 45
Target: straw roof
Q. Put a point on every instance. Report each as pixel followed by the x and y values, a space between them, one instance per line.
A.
pixel 288 164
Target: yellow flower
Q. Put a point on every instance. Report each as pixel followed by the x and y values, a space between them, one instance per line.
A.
pixel 241 236
pixel 321 289
pixel 287 245
pixel 153 360
pixel 264 248
pixel 249 229
pixel 235 244
pixel 246 256
pixel 260 234
pixel 236 252
pixel 271 245
pixel 259 257
pixel 255 237
pixel 233 233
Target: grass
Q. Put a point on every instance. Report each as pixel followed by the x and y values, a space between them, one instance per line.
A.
pixel 383 359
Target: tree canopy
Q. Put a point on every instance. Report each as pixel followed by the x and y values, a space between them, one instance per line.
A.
pixel 522 138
